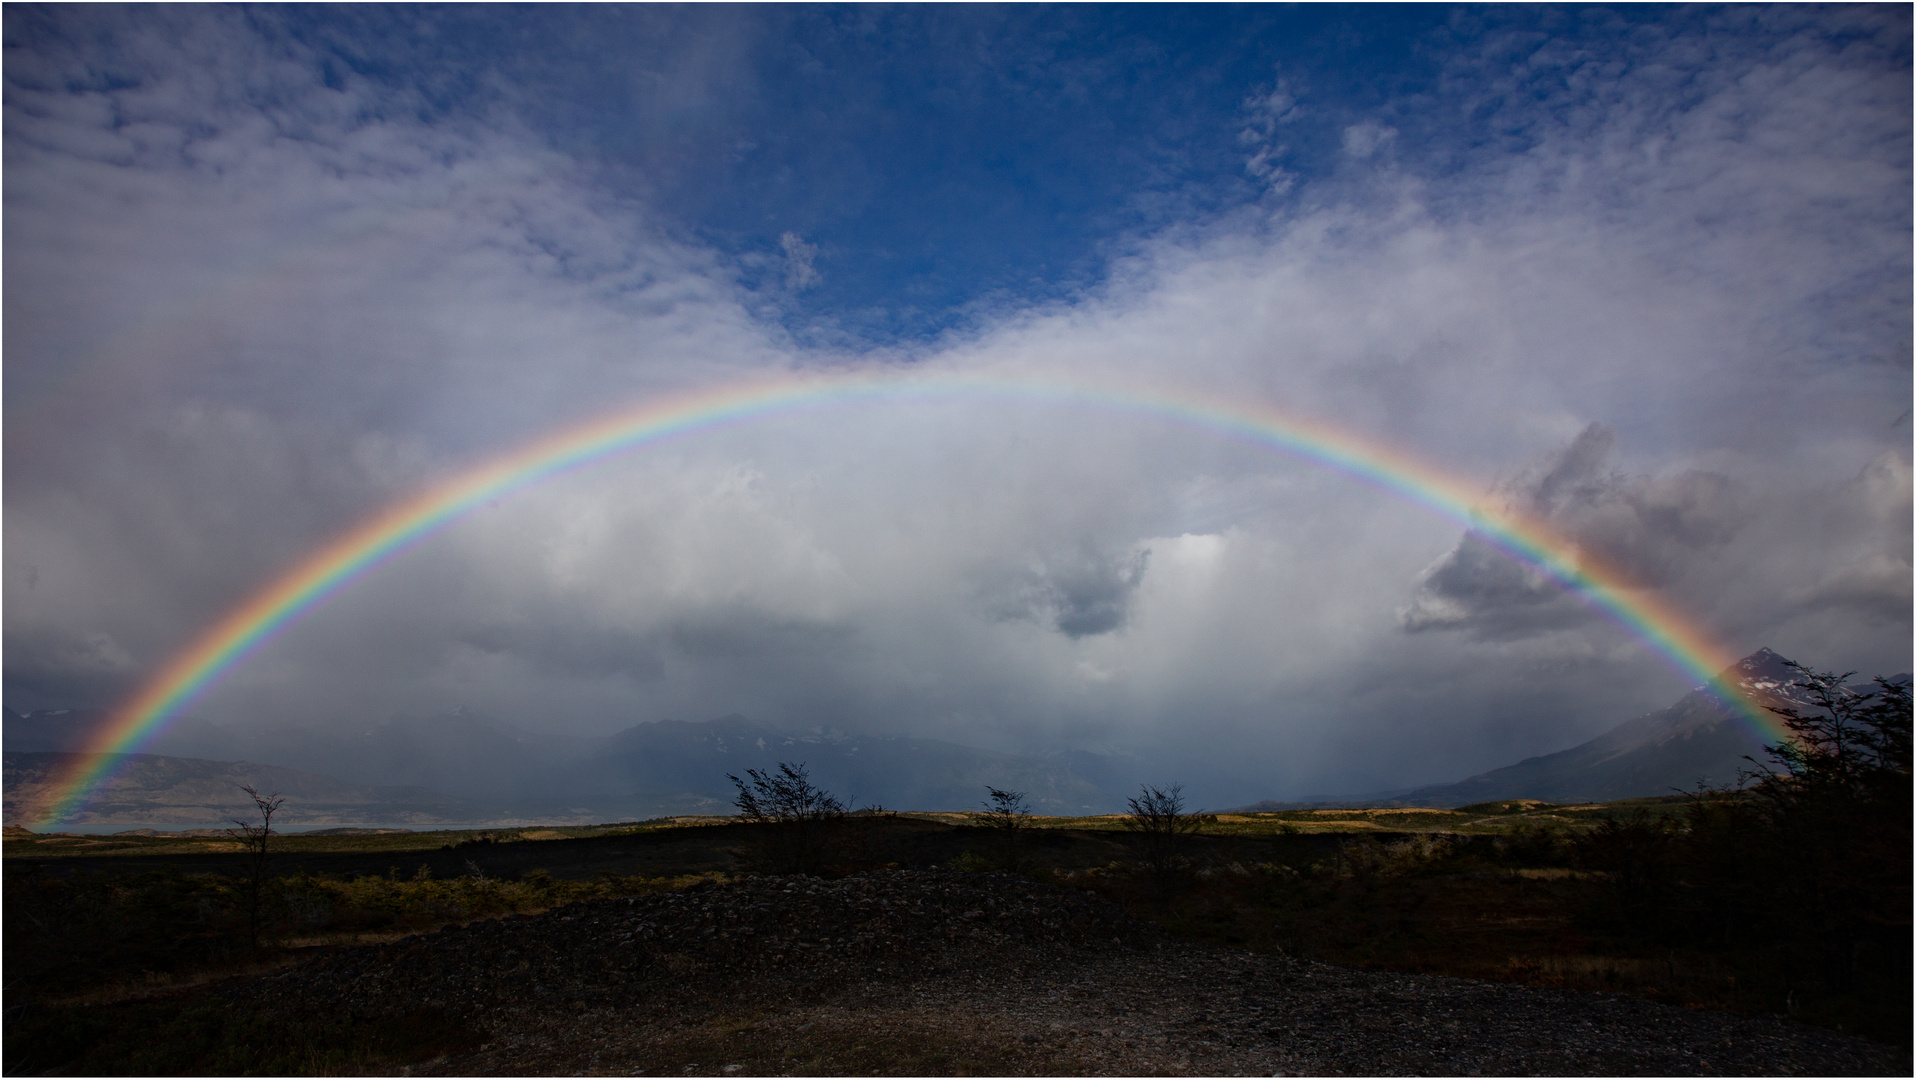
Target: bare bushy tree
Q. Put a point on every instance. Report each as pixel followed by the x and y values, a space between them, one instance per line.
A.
pixel 1854 740
pixel 1158 816
pixel 801 815
pixel 1802 870
pixel 256 839
pixel 1006 812
pixel 786 795
pixel 1840 806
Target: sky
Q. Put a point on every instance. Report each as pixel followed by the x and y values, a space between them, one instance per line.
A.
pixel 1642 272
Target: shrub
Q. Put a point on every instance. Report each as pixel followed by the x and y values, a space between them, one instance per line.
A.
pixel 1158 817
pixel 1006 813
pixel 799 818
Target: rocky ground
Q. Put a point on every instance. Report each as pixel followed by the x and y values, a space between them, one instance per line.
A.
pixel 937 972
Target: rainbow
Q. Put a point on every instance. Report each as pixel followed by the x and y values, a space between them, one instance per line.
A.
pixel 245 628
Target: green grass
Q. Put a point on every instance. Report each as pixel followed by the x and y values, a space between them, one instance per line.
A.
pixel 1491 819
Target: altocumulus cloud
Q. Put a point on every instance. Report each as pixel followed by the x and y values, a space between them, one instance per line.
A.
pixel 1652 290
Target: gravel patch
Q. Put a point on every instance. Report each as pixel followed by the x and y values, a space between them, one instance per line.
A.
pixel 938 972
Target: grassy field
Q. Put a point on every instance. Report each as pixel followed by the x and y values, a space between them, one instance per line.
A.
pixel 1518 891
pixel 1486 818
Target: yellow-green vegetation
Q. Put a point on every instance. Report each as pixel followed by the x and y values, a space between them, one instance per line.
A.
pixel 1484 818
pixel 1489 819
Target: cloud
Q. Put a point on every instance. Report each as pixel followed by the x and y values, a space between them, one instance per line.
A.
pixel 65 665
pixel 800 273
pixel 1367 139
pixel 1478 587
pixel 254 298
pixel 1647 529
pixel 1870 580
pixel 1265 114
pixel 1080 593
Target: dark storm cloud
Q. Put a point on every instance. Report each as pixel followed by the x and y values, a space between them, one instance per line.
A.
pixel 57 668
pixel 1648 529
pixel 1479 588
pixel 1083 593
pixel 1643 527
pixel 559 643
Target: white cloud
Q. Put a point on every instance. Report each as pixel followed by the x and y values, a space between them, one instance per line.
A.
pixel 1265 114
pixel 1366 139
pixel 800 273
pixel 247 309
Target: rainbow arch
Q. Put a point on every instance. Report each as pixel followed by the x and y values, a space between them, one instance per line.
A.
pixel 243 629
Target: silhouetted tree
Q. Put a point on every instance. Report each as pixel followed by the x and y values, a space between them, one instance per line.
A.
pixel 256 839
pixel 1854 746
pixel 800 815
pixel 1804 869
pixel 1158 816
pixel 1836 805
pixel 1006 813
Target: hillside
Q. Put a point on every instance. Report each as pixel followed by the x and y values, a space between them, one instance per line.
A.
pixel 1698 741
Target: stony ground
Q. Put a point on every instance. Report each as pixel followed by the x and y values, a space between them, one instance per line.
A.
pixel 936 972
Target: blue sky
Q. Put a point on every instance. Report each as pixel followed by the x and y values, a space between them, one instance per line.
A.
pixel 940 159
pixel 1645 269
pixel 947 160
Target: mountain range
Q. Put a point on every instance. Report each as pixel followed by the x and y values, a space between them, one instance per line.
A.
pixel 465 768
pixel 152 790
pixel 1698 742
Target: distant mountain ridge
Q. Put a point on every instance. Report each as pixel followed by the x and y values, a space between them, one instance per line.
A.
pixel 461 752
pixel 1699 741
pixel 467 768
pixel 918 774
pixel 150 789
pixel 647 770
pixel 51 729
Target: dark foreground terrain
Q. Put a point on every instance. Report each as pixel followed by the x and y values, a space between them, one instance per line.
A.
pixel 917 972
pixel 1683 936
